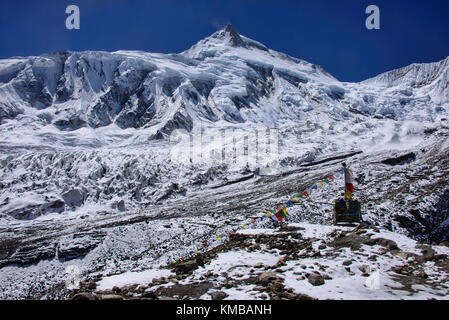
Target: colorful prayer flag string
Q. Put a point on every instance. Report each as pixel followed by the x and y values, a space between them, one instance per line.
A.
pixel 276 215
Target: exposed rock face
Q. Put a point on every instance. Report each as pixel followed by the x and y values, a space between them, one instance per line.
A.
pixel 406 158
pixel 73 197
pixel 282 281
pixel 186 267
pixel 267 277
pixel 387 243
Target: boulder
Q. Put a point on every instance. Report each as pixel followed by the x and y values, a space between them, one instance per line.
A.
pixel 389 244
pixel 54 206
pixel 422 274
pixel 150 295
pixel 267 277
pixel 73 197
pixel 200 262
pixel 276 286
pixel 282 261
pixel 316 279
pixel 116 289
pixel 427 252
pixel 186 267
pixel 119 205
pixel 218 295
pixel 347 262
pixel 364 268
pixel 91 285
pixel 364 274
pixel 405 255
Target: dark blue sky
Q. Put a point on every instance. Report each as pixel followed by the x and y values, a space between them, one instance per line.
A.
pixel 328 33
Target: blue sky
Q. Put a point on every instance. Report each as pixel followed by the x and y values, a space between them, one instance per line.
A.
pixel 327 33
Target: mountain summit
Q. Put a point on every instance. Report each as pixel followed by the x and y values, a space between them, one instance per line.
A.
pixel 230 35
pixel 222 41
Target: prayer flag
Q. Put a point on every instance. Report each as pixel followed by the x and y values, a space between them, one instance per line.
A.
pixel 349 185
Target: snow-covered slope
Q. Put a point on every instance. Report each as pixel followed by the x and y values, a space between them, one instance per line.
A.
pixel 422 79
pixel 300 262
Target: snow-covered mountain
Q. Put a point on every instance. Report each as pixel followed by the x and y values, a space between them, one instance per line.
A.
pixel 92 118
pixel 425 79
pixel 87 142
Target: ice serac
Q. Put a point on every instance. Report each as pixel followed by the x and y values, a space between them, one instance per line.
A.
pixel 425 78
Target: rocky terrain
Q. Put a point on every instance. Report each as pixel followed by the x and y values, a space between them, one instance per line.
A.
pixel 295 262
